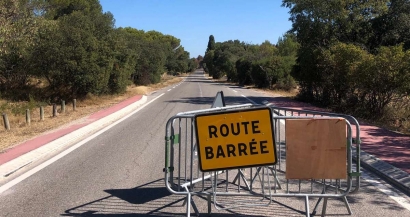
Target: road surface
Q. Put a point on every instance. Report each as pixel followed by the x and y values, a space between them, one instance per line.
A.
pixel 120 172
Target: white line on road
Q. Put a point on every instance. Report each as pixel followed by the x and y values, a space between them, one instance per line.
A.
pixel 253 102
pixel 235 91
pixel 169 90
pixel 387 190
pixel 31 172
pixel 200 89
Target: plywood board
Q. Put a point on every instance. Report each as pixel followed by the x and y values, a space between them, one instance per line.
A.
pixel 316 149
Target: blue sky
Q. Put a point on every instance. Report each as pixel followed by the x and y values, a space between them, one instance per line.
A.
pixel 252 21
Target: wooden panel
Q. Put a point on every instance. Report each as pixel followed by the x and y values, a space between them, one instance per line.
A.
pixel 316 149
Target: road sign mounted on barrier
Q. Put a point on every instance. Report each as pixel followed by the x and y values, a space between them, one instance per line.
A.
pixel 235 139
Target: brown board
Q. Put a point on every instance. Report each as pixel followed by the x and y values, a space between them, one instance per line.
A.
pixel 316 149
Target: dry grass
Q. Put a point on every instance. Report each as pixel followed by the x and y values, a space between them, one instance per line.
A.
pixel 21 132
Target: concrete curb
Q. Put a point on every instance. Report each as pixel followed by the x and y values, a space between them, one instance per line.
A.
pixel 393 175
pixel 67 140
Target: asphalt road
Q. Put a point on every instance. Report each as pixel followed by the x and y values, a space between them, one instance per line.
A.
pixel 120 172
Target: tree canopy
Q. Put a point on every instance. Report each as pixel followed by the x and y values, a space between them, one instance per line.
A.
pixel 75 47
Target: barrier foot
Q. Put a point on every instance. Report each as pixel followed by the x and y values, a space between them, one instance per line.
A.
pixel 241 175
pixel 275 177
pixel 316 206
pixel 209 204
pixel 188 206
pixel 190 202
pixel 324 206
pixel 307 206
pixel 347 205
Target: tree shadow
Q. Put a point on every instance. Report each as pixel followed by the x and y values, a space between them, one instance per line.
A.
pixel 391 147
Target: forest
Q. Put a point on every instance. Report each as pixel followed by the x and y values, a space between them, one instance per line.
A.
pixel 55 49
pixel 350 56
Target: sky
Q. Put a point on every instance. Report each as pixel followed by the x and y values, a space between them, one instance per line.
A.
pixel 251 21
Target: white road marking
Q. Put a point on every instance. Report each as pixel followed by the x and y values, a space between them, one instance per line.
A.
pixel 253 102
pixel 387 190
pixel 200 90
pixel 235 91
pixel 169 90
pixel 31 172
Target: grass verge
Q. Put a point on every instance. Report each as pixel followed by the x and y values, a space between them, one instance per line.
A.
pixel 20 131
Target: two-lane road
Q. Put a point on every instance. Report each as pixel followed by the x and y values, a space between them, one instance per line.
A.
pixel 119 172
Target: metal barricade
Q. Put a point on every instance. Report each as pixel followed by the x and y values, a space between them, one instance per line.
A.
pixel 289 112
pixel 250 187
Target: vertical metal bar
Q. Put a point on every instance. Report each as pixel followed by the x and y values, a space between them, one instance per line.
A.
pixel 186 147
pixel 337 185
pixel 239 181
pixel 300 181
pixel 324 206
pixel 203 181
pixel 209 203
pixel 277 135
pixel 171 161
pixel 188 205
pixel 263 181
pixel 251 179
pixel 287 186
pixel 311 186
pixel 192 148
pixel 307 206
pixel 275 178
pixel 179 154
pixel 226 183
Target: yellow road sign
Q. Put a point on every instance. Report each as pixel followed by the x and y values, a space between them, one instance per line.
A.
pixel 235 139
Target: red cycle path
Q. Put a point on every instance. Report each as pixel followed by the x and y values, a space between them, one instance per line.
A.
pixel 41 140
pixel 391 147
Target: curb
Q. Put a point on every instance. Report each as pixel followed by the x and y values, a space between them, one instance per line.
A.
pixel 14 165
pixel 391 174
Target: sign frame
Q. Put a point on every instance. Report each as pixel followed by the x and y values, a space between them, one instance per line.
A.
pixel 231 112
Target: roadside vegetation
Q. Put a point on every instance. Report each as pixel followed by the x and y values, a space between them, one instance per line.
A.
pixel 350 56
pixel 53 50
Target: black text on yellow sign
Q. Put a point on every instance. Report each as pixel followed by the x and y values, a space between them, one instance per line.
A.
pixel 235 139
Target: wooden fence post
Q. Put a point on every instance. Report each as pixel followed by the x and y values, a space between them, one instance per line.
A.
pixel 54 110
pixel 28 118
pixel 74 104
pixel 6 121
pixel 41 113
pixel 62 106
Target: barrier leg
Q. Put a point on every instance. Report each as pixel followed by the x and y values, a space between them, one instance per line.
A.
pixel 241 175
pixel 324 206
pixel 347 205
pixel 209 204
pixel 275 177
pixel 307 206
pixel 194 206
pixel 316 206
pixel 188 206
